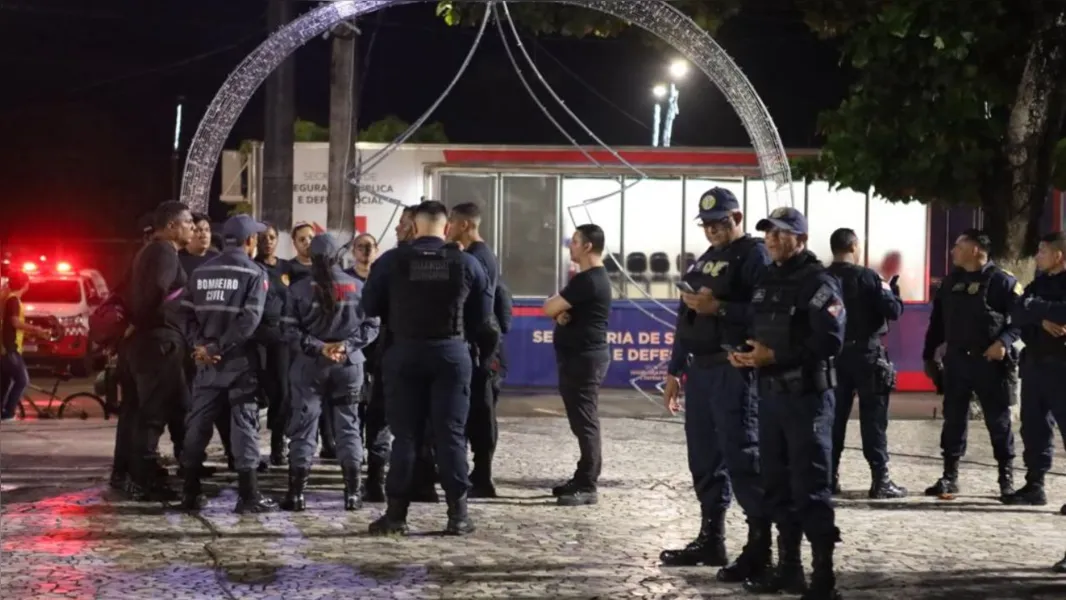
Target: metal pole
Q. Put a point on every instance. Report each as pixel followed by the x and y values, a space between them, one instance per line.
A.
pixel 671 113
pixel 341 194
pixel 175 153
pixel 657 123
pixel 276 194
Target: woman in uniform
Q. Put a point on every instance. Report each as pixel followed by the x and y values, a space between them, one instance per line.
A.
pixel 275 355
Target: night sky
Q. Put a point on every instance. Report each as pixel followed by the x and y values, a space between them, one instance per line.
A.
pixel 89 92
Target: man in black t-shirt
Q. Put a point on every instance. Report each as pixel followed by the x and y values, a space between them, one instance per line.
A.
pixel 581 311
pixel 157 346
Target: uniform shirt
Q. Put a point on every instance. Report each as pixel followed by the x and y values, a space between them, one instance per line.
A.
pixel 275 309
pixel 349 322
pixel 589 296
pixel 1003 294
pixel 479 303
pixel 297 271
pixel 224 302
pixel 155 286
pixel 736 312
pixel 818 296
pixel 873 305
pixel 189 262
pixel 1044 299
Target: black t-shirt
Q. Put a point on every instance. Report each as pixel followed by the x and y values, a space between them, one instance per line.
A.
pixel 155 285
pixel 189 262
pixel 297 271
pixel 589 295
pixel 8 333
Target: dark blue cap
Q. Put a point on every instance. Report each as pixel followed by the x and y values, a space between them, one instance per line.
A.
pixel 785 218
pixel 324 244
pixel 238 228
pixel 717 204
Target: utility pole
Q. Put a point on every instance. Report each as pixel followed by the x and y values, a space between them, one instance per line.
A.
pixel 278 139
pixel 343 129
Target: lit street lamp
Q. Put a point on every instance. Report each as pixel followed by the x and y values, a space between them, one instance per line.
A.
pixel 678 69
pixel 659 92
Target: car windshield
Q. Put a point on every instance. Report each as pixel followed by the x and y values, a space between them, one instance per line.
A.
pixel 53 291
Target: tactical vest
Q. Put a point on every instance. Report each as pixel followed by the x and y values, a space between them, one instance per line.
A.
pixel 427 290
pixel 705 334
pixel 863 323
pixel 780 320
pixel 969 322
pixel 1045 345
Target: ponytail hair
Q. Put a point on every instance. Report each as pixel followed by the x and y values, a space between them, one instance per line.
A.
pixel 322 275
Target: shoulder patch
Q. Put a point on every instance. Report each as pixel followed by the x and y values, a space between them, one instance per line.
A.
pixel 266 284
pixel 1018 289
pixel 821 297
pixel 285 278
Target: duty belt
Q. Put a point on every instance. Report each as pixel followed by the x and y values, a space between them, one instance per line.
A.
pixel 703 361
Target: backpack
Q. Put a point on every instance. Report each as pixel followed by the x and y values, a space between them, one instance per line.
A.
pixel 109 321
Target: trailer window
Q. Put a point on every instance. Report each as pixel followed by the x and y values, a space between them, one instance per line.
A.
pixel 529 234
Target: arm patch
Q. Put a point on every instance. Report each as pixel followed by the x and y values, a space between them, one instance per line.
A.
pixel 821 297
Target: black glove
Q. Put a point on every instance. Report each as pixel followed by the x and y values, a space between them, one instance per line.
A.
pixel 933 371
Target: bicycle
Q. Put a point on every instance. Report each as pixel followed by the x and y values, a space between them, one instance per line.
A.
pixel 69 407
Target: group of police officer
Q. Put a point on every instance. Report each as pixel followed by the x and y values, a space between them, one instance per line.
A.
pixel 773 346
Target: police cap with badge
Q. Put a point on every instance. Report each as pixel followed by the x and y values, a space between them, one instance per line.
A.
pixel 238 228
pixel 784 218
pixel 717 204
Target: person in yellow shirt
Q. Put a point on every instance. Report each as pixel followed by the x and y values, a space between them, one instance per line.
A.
pixel 13 327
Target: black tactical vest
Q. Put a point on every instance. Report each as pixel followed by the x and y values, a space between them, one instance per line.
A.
pixel 1045 345
pixel 863 323
pixel 427 290
pixel 720 272
pixel 969 322
pixel 780 320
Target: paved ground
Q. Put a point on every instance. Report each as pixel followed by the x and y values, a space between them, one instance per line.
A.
pixel 64 536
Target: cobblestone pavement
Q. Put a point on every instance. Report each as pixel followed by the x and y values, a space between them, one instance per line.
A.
pixel 65 536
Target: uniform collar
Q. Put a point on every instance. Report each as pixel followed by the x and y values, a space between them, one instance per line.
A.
pixel 428 242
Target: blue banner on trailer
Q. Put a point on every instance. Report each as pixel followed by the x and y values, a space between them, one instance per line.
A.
pixel 641 345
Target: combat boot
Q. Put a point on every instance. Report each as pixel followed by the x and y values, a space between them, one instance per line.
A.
pixel 294 497
pixel 787 576
pixel 1006 479
pixel 374 488
pixel 755 559
pixel 949 482
pixel 192 497
pixel 118 480
pixel 249 500
pixel 708 549
pixel 277 448
pixel 459 522
pixel 150 487
pixel 481 484
pixel 1059 567
pixel 393 522
pixel 823 579
pixel 836 483
pixel 883 488
pixel 353 497
pixel 1030 494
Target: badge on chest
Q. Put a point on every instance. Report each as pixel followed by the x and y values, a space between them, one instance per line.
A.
pixel 713 268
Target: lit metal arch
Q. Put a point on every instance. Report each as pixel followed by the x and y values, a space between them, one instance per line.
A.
pixel 655 16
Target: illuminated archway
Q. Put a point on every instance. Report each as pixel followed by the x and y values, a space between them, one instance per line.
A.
pixel 657 17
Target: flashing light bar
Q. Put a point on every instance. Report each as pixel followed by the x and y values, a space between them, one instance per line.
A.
pixel 63 267
pixel 29 267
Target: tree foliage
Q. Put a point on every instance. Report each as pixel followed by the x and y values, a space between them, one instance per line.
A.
pixel 309 131
pixel 392 127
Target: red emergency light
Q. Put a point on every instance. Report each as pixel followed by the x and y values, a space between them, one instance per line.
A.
pixel 63 267
pixel 29 267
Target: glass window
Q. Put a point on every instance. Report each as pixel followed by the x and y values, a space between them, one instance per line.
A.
pixel 652 235
pixel 695 239
pixel 53 291
pixel 829 210
pixel 902 228
pixel 605 210
pixel 755 206
pixel 530 234
pixel 460 188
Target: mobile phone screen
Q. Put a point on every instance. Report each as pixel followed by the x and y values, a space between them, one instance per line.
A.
pixel 685 287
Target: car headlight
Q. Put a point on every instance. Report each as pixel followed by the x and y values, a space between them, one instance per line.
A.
pixel 75 326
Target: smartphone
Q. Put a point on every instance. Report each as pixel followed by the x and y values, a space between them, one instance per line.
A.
pixel 685 287
pixel 741 349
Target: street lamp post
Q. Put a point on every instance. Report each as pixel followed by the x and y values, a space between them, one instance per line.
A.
pixel 664 128
pixel 659 92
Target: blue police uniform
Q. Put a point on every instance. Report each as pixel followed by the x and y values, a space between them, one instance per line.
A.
pixel 481 423
pixel 224 303
pixel 971 312
pixel 317 379
pixel 433 294
pixel 721 405
pixel 799 314
pixel 275 360
pixel 1043 362
pixel 864 368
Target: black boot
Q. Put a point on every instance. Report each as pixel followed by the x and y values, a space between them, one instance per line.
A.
pixel 883 488
pixel 949 482
pixel 787 576
pixel 707 549
pixel 481 484
pixel 1059 567
pixel 1006 479
pixel 353 497
pixel 118 480
pixel 374 488
pixel 191 495
pixel 249 500
pixel 823 579
pixel 294 498
pixel 393 522
pixel 836 483
pixel 754 560
pixel 277 448
pixel 459 522
pixel 150 486
pixel 1030 494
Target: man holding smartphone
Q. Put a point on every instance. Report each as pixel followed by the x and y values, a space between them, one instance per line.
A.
pixel 721 407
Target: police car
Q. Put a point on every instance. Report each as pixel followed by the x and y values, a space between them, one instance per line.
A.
pixel 60 294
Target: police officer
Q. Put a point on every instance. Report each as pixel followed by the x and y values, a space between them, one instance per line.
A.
pixel 971 317
pixel 225 299
pixel 274 354
pixel 1041 315
pixel 863 366
pixel 721 406
pixel 433 295
pixel 797 331
pixel 328 315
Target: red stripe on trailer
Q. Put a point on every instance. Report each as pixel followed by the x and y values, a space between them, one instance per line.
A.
pixel 913 381
pixel 527 311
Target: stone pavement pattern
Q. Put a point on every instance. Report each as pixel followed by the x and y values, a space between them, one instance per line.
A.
pixel 77 540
